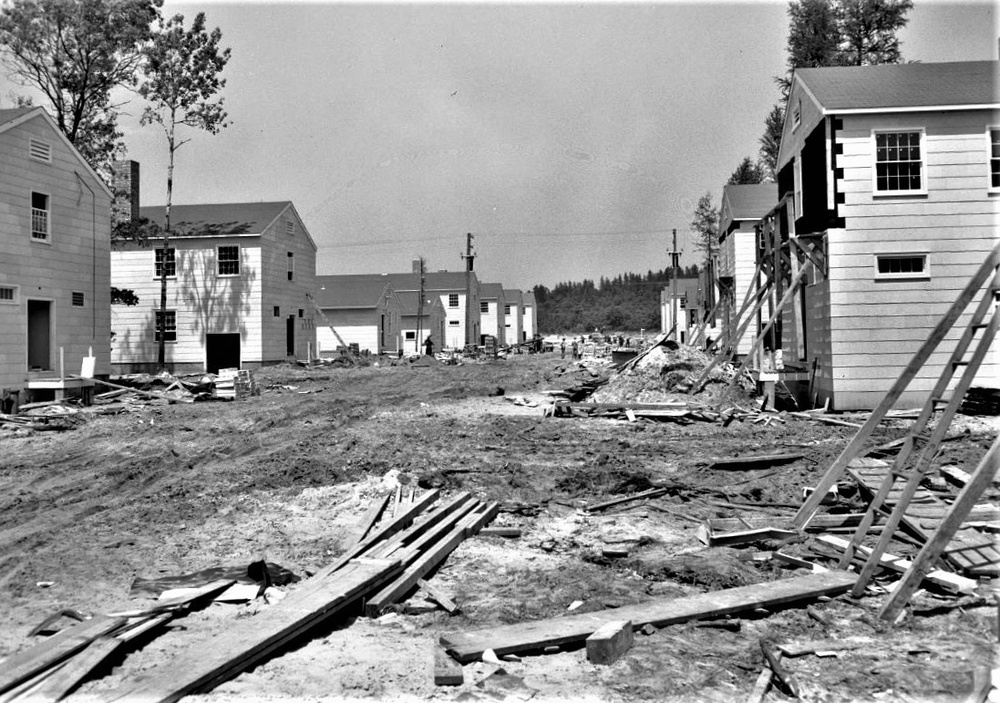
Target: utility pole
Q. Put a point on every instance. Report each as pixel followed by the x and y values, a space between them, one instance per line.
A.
pixel 675 257
pixel 469 258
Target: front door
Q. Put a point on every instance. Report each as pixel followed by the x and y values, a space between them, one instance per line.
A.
pixel 222 351
pixel 39 335
pixel 290 336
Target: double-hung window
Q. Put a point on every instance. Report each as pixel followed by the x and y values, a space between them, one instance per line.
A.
pixel 994 158
pixel 165 257
pixel 899 163
pixel 40 217
pixel 168 323
pixel 229 261
pixel 453 300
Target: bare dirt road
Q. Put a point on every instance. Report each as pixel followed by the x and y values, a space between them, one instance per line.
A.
pixel 172 489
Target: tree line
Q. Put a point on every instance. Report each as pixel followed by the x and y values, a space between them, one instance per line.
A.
pixel 628 302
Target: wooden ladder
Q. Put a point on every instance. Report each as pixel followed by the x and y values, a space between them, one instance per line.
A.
pixel 326 321
pixel 947 322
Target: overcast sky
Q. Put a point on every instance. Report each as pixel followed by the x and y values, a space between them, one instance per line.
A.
pixel 569 139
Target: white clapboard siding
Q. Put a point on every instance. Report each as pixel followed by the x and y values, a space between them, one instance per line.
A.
pixel 289 297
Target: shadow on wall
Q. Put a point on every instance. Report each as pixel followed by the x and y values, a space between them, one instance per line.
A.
pixel 205 303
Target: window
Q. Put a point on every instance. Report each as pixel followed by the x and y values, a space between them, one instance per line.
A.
pixel 453 323
pixel 453 300
pixel 409 335
pixel 170 326
pixel 484 307
pixel 899 162
pixel 995 158
pixel 39 150
pixel 77 299
pixel 39 216
pixel 229 261
pixel 290 228
pixel 506 309
pixel 901 266
pixel 684 301
pixel 797 115
pixel 291 266
pixel 301 312
pixel 171 262
pixel 8 295
pixel 277 311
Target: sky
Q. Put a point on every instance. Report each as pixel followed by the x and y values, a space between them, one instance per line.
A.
pixel 569 139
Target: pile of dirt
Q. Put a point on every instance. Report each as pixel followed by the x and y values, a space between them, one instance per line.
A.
pixel 665 374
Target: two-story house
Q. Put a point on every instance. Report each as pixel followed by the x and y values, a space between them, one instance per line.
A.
pixel 460 297
pixel 239 281
pixel 512 316
pixel 529 315
pixel 741 208
pixel 491 306
pixel 890 177
pixel 55 237
pixel 363 309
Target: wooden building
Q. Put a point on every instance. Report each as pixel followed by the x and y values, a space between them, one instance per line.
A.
pixel 491 305
pixel 529 315
pixel 55 239
pixel 418 322
pixel 512 316
pixel 239 280
pixel 460 298
pixel 690 307
pixel 364 310
pixel 889 181
pixel 741 209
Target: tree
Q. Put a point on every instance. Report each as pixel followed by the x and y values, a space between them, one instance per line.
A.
pixel 181 83
pixel 869 27
pixel 813 37
pixel 705 226
pixel 770 142
pixel 75 52
pixel 748 172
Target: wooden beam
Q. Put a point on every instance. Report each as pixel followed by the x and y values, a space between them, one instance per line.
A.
pixel 372 515
pixel 652 493
pixel 62 645
pixel 759 461
pixel 447 671
pixel 76 670
pixel 953 519
pixel 439 597
pixel 855 446
pixel 469 646
pixel 247 642
pixel 609 642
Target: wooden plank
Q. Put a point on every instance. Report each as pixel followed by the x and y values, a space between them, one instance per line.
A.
pixel 179 601
pixel 77 669
pixel 65 643
pixel 447 671
pixel 246 642
pixel 982 477
pixel 759 461
pixel 427 561
pixel 509 532
pixel 429 529
pixel 609 642
pixel 798 649
pixel 398 523
pixel 468 646
pixel 372 516
pixel 747 536
pixel 438 596
pixel 944 579
pixel 652 493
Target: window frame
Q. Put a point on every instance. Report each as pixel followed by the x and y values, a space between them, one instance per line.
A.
pixel 219 261
pixel 922 190
pixel 453 297
pixel 171 261
pixel 277 311
pixel 15 298
pixel 925 274
pixel 166 326
pixel 454 323
pixel 47 239
pixel 484 306
pixel 990 158
pixel 82 298
pixel 290 228
pixel 291 266
pixel 409 335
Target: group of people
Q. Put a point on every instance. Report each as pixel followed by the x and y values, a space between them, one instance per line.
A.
pixel 575 346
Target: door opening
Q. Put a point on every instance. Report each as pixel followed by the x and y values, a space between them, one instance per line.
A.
pixel 222 351
pixel 39 335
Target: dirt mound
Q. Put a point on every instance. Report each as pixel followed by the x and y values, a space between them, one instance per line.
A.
pixel 665 374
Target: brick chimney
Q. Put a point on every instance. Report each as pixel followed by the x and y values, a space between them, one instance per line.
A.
pixel 125 189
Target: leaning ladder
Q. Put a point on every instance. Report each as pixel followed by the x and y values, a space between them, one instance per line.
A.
pixel 326 321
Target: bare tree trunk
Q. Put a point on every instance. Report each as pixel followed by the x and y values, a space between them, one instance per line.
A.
pixel 162 323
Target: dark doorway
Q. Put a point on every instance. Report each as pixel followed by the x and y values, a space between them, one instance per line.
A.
pixel 39 335
pixel 290 336
pixel 222 351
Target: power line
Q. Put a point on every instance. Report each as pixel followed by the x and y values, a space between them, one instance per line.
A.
pixel 547 235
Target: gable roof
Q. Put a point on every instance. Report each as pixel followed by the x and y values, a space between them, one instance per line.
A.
pixel 12 117
pixel 491 291
pixel 528 298
pixel 686 287
pixel 408 302
pixel 351 291
pixel 433 281
pixel 512 296
pixel 225 218
pixel 903 87
pixel 750 201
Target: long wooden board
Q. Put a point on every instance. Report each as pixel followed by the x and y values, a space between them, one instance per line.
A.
pixel 63 644
pixel 468 646
pixel 246 642
pixel 59 684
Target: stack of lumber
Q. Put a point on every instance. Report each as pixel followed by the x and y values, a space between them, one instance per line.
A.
pixel 236 384
pixel 683 413
pixel 390 561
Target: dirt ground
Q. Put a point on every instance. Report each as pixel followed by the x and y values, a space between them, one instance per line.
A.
pixel 172 489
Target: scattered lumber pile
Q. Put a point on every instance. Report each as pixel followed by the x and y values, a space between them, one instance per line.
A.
pixel 235 384
pixel 402 542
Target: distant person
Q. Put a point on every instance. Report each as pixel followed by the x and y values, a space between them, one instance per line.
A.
pixel 562 348
pixel 429 346
pixel 575 348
